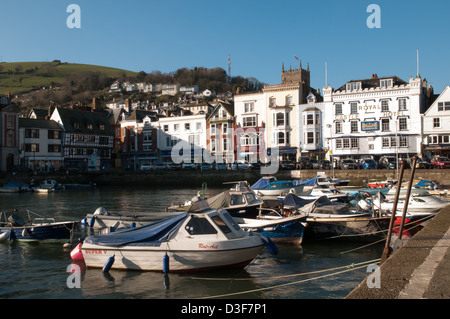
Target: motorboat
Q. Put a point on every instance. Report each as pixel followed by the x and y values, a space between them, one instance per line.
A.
pixel 332 194
pixel 15 187
pixel 381 184
pixel 269 186
pixel 206 239
pixel 101 218
pixel 50 183
pixel 15 227
pixel 238 200
pixel 337 221
pixel 418 205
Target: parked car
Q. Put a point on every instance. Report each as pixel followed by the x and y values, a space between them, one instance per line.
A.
pixel 389 162
pixel 368 163
pixel 440 162
pixel 304 163
pixel 240 165
pixel 287 165
pixel 205 167
pixel 314 164
pixel 221 166
pixel 188 166
pixel 160 167
pixel 146 167
pixel 172 166
pixel 325 164
pixel 420 163
pixel 348 164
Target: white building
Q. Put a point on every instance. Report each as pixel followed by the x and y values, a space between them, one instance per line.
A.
pixel 189 129
pixel 374 117
pixel 311 128
pixel 436 127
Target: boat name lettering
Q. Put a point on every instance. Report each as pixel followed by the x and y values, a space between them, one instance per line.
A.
pixel 95 251
pixel 208 246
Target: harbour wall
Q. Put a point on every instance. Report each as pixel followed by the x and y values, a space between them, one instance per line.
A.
pixel 195 179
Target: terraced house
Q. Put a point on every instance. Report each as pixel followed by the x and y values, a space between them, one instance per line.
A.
pixel 87 137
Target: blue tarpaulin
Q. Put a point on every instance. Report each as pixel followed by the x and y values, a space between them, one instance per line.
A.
pixel 308 182
pixel 262 183
pixel 148 235
pixel 292 201
pixel 425 184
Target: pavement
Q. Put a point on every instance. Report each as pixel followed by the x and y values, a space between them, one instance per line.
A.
pixel 419 269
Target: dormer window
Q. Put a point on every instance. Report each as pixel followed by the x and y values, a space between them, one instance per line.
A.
pixel 386 83
pixel 352 86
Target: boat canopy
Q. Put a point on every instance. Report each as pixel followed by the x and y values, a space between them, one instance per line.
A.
pixel 425 184
pixel 292 201
pixel 148 235
pixel 221 200
pixel 307 182
pixel 263 183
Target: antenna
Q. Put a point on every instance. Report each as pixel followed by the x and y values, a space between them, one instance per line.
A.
pixel 229 68
pixel 326 74
pixel 418 63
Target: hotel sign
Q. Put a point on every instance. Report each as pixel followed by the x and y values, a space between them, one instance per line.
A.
pixel 370 126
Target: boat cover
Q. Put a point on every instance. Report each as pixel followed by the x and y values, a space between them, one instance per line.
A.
pixel 148 235
pixel 425 184
pixel 292 201
pixel 262 183
pixel 17 184
pixel 221 200
pixel 308 182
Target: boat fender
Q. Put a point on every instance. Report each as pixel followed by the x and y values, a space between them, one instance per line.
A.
pixel 100 211
pixel 84 221
pixel 26 232
pixel 271 247
pixel 133 224
pixel 108 264
pixel 76 253
pixel 5 235
pixel 92 221
pixel 12 235
pixel 166 262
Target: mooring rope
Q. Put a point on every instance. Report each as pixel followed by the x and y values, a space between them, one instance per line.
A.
pixel 349 268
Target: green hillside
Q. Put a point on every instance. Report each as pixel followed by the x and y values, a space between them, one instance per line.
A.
pixel 18 77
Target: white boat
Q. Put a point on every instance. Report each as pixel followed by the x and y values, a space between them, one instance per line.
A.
pixel 9 189
pixel 417 205
pixel 50 183
pixel 333 194
pixel 185 242
pixel 269 186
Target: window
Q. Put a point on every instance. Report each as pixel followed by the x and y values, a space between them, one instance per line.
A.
pixel 54 148
pixel 386 83
pixel 278 119
pixel 385 125
pixel 338 127
pixel 310 137
pixel 393 142
pixel 213 145
pixel 53 134
pixel 221 224
pixel 249 107
pixel 176 127
pixel 10 121
pixel 199 226
pixel 339 143
pixel 402 104
pixel 354 143
pixel 213 129
pixel 289 100
pixel 272 102
pixel 147 136
pixel 353 86
pixel 310 119
pixel 402 123
pixel 166 128
pixel 90 126
pixel 198 126
pixel 385 142
pixel 353 108
pixel 338 109
pixel 280 138
pixel 249 121
pixel 32 133
pixel 226 147
pixel 444 106
pixel 385 106
pixel 354 126
pixel 187 126
pixel 436 122
pixel 225 128
pixel 403 141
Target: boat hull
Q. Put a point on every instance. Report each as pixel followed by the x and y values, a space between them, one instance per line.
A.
pixel 182 256
pixel 278 191
pixel 60 231
pixel 353 228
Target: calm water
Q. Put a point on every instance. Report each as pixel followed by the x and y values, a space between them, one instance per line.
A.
pixel 36 270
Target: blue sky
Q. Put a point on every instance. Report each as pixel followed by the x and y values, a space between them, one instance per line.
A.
pixel 259 35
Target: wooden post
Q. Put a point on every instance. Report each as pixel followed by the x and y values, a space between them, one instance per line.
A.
pixel 393 213
pixel 408 193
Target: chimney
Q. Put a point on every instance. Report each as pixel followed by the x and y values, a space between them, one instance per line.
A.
pixel 8 94
pixel 374 76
